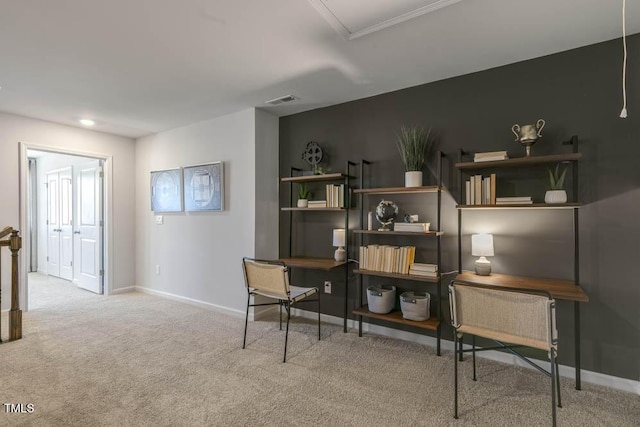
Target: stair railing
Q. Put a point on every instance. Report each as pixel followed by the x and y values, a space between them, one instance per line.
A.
pixel 14 242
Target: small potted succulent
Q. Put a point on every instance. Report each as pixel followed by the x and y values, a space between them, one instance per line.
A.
pixel 303 195
pixel 556 194
pixel 414 144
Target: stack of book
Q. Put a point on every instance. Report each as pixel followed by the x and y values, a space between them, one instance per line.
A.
pixel 481 191
pixel 490 156
pixel 524 200
pixel 424 270
pixel 335 195
pixel 317 204
pixel 387 259
pixel 414 227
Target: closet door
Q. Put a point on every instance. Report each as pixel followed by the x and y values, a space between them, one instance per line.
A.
pixel 65 186
pixel 53 225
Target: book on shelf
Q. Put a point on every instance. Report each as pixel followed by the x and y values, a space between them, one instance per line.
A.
pixel 490 159
pixel 481 190
pixel 417 227
pixel 528 202
pixel 416 266
pixel 422 273
pixel 386 259
pixel 514 199
pixel 335 195
pixel 489 154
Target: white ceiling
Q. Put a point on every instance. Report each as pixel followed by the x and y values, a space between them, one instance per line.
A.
pixel 143 66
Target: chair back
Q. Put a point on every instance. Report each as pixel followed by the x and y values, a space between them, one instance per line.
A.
pixel 508 315
pixel 269 278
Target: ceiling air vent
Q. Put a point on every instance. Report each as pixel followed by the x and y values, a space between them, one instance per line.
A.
pixel 281 100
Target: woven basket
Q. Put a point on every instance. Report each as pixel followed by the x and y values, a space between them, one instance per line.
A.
pixel 381 299
pixel 415 305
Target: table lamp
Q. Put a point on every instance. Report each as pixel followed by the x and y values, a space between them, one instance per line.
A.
pixel 482 246
pixel 339 242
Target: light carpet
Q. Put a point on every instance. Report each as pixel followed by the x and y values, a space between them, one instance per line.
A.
pixel 138 360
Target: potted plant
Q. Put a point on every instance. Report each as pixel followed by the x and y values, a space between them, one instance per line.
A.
pixel 556 194
pixel 414 144
pixel 303 195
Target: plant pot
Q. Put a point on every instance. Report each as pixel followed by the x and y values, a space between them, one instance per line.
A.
pixel 413 179
pixel 555 196
pixel 303 203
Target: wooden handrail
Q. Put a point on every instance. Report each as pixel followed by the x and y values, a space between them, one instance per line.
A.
pixel 14 243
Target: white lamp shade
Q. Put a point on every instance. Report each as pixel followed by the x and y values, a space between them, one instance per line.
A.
pixel 482 245
pixel 338 237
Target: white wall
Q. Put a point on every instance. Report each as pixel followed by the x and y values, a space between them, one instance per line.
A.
pixel 199 253
pixel 15 129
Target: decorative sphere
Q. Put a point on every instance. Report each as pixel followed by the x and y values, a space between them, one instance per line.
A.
pixel 386 213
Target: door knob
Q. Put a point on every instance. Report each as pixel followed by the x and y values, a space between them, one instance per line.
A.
pixel 76 232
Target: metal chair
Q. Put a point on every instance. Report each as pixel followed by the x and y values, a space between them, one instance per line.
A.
pixel 519 317
pixel 270 279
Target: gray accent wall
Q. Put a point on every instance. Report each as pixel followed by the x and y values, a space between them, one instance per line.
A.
pixel 577 92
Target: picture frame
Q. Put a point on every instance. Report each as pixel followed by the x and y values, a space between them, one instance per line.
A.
pixel 204 187
pixel 166 190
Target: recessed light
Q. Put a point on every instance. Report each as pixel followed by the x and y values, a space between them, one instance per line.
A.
pixel 87 122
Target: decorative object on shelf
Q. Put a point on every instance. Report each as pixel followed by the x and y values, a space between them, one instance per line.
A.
pixel 527 135
pixel 381 299
pixel 166 190
pixel 386 213
pixel 415 305
pixel 414 144
pixel 370 221
pixel 204 187
pixel 556 194
pixel 482 246
pixel 312 154
pixel 339 238
pixel 410 218
pixel 303 195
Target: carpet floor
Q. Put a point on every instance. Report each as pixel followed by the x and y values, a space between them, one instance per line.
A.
pixel 141 360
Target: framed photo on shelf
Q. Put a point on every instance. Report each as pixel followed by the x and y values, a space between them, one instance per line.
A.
pixel 166 190
pixel 204 187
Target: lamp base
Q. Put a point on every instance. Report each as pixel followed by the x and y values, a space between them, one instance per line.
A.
pixel 340 254
pixel 483 267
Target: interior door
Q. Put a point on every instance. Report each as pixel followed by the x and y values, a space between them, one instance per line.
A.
pixel 88 227
pixel 53 226
pixel 65 189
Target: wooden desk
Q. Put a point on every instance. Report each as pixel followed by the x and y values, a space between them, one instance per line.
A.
pixel 559 289
pixel 312 263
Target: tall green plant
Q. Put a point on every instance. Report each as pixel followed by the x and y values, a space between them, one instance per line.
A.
pixel 414 144
pixel 556 178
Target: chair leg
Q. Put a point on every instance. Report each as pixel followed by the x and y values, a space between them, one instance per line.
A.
pixel 318 316
pixel 553 386
pixel 280 314
pixel 455 375
pixel 286 337
pixel 473 353
pixel 558 382
pixel 460 349
pixel 246 321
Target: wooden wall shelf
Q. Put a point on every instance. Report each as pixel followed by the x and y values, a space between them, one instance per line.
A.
pixel 523 206
pixel 399 190
pixel 316 178
pixel 396 317
pixel 398 276
pixel 521 161
pixel 314 209
pixel 312 263
pixel 400 233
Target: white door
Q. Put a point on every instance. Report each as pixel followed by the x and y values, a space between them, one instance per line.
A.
pixel 65 189
pixel 53 226
pixel 88 227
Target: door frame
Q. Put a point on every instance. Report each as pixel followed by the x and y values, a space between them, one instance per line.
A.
pixel 23 213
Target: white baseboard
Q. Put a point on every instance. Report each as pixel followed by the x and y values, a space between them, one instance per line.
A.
pixel 123 290
pixel 597 378
pixel 195 302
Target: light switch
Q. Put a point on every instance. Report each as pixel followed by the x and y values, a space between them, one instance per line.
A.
pixel 159 219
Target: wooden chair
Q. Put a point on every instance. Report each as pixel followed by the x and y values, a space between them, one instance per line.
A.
pixel 511 317
pixel 270 279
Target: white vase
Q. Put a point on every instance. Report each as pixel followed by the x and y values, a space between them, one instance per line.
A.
pixel 413 179
pixel 303 203
pixel 555 196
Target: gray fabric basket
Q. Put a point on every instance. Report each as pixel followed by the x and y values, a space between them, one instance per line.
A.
pixel 415 305
pixel 381 299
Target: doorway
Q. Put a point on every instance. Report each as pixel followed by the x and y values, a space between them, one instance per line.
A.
pixel 66 220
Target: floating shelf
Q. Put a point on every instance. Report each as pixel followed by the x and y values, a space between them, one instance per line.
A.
pixel 396 317
pixel 398 276
pixel 312 178
pixel 521 161
pixel 313 263
pixel 400 233
pixel 399 190
pixel 523 206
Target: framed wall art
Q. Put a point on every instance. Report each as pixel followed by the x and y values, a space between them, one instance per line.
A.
pixel 204 187
pixel 166 190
